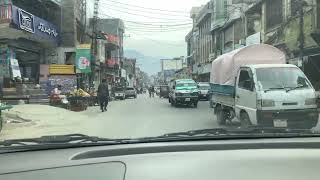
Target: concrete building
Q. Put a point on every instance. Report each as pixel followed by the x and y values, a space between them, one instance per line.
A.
pixel 192 40
pixel 292 26
pixel 205 43
pixel 110 48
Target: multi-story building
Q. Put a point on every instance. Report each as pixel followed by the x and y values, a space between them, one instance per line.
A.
pixel 205 43
pixel 292 26
pixel 192 40
pixel 110 48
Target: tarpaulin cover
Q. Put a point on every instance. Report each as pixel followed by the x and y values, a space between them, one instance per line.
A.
pixel 226 66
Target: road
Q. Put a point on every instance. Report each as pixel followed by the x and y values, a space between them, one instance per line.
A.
pixel 130 118
pixel 146 116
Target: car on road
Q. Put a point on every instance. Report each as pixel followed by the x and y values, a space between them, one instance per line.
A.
pixel 119 93
pixel 183 91
pixel 131 92
pixel 204 90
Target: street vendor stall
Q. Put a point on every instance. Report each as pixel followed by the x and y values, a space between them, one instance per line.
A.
pixel 3 107
pixel 79 100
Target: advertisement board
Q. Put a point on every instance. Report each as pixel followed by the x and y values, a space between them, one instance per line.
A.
pixel 169 64
pixel 83 58
pixel 61 69
pixel 15 68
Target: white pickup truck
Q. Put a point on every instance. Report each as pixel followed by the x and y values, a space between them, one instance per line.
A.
pixel 255 85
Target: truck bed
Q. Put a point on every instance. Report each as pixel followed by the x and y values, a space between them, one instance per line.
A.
pixel 224 99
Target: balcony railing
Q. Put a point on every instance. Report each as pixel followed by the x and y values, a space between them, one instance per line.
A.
pixel 5 13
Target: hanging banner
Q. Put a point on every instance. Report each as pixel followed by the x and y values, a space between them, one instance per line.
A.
pixel 83 57
pixel 15 68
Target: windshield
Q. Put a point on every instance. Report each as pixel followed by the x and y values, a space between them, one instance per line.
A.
pixel 204 87
pixel 185 85
pixel 139 69
pixel 285 78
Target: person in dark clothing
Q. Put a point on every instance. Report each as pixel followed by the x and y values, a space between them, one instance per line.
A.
pixel 103 95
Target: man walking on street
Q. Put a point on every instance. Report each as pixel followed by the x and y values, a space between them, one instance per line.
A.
pixel 103 95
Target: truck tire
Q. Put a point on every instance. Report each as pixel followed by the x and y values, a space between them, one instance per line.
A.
pixel 245 120
pixel 221 117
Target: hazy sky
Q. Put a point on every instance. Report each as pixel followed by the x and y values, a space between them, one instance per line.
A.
pixel 144 32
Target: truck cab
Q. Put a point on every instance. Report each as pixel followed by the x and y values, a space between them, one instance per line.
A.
pixel 275 95
pixel 183 91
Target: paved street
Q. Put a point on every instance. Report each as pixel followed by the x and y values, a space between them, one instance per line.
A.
pixel 146 116
pixel 139 117
pixel 129 118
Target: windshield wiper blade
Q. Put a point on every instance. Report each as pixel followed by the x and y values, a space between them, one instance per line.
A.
pixel 241 132
pixel 293 88
pixel 61 139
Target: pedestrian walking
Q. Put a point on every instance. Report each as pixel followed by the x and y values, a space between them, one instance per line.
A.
pixel 103 95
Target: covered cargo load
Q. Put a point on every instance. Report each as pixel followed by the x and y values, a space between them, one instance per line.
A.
pixel 226 66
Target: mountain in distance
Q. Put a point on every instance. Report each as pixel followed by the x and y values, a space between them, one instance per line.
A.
pixel 148 64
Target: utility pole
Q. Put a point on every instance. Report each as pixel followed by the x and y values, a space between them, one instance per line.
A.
pixel 94 40
pixel 301 33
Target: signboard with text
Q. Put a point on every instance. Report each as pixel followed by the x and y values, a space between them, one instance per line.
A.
pixel 35 25
pixel 83 58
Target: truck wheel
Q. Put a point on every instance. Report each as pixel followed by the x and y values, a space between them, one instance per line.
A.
pixel 221 117
pixel 245 120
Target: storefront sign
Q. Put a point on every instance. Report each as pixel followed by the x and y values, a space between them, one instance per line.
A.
pixel 15 68
pixel 61 69
pixel 26 21
pixel 83 58
pixel 33 24
pixel 111 62
pixel 111 38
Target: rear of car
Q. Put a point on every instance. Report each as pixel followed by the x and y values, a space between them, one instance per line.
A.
pixel 204 91
pixel 131 92
pixel 119 93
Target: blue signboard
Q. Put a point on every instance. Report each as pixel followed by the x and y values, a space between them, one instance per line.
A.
pixel 35 25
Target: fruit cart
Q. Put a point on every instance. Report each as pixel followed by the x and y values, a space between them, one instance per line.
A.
pixel 3 107
pixel 78 103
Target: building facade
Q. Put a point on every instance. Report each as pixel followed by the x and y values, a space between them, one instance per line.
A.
pixel 110 48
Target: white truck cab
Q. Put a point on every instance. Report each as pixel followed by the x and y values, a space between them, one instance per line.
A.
pixel 277 95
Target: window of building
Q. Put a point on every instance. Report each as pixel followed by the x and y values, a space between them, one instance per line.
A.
pixel 274 13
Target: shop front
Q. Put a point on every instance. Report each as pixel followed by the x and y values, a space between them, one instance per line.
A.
pixel 24 39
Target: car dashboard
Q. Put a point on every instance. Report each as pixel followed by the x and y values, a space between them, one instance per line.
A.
pixel 283 158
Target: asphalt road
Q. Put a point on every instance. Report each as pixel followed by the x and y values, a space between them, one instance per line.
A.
pixel 146 116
